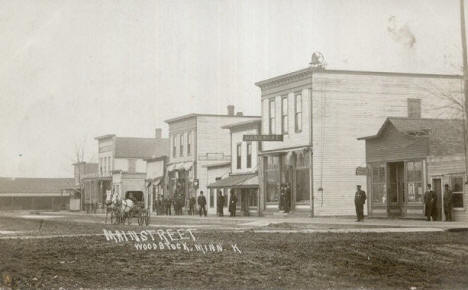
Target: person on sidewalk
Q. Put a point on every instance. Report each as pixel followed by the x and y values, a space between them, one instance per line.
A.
pixel 427 203
pixel 359 200
pixel 201 204
pixel 192 203
pixel 232 203
pixel 287 198
pixel 220 203
pixel 448 203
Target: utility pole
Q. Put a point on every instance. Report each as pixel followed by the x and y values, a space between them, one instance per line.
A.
pixel 465 83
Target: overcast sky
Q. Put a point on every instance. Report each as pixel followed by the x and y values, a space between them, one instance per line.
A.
pixel 73 70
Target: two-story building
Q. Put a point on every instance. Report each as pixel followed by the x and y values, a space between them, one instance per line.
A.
pixel 156 179
pixel 122 164
pixel 320 114
pixel 243 177
pixel 197 140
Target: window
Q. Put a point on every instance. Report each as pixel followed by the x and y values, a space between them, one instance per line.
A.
pixel 414 175
pixel 211 197
pixel 302 177
pixel 101 165
pixel 131 165
pixel 272 173
pixel 249 155
pixel 298 112
pixel 174 146
pixel 181 144
pixel 253 197
pixel 457 191
pixel 284 115
pixel 378 184
pixel 272 116
pixel 239 156
pixel 189 143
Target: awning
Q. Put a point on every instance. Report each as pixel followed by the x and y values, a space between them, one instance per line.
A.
pixel 237 181
pixel 180 166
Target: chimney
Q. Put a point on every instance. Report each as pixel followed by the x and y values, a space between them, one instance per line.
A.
pixel 414 108
pixel 240 114
pixel 158 133
pixel 230 110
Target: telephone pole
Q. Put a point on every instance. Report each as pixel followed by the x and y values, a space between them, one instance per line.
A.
pixel 465 83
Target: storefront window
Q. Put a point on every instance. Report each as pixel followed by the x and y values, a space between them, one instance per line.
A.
pixel 414 173
pixel 302 177
pixel 253 197
pixel 272 173
pixel 378 184
pixel 457 191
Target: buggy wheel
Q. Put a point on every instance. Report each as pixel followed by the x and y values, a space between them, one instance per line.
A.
pixel 112 218
pixel 140 219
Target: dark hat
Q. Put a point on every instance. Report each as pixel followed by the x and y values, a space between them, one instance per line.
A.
pixel 446 185
pixel 428 185
pixel 358 185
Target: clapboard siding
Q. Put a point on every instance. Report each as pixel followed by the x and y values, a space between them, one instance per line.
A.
pixel 176 129
pixel 348 106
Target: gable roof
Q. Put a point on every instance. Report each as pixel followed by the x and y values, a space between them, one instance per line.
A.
pixel 35 185
pixel 144 148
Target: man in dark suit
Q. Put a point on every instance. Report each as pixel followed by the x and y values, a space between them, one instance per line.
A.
pixel 359 200
pixel 202 204
pixel 448 203
pixel 233 203
pixel 428 202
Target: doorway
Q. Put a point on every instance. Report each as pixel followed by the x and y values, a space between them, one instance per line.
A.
pixel 437 184
pixel 396 189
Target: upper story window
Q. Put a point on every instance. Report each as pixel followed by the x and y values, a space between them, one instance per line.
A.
pixel 298 112
pixel 271 122
pixel 249 155
pixel 284 115
pixel 174 146
pixel 239 156
pixel 189 143
pixel 181 144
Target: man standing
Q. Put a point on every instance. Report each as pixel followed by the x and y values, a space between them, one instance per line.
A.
pixel 219 204
pixel 428 202
pixel 448 203
pixel 287 198
pixel 232 203
pixel 192 203
pixel 201 204
pixel 222 201
pixel 359 200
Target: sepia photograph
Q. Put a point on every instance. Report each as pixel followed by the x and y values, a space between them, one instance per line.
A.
pixel 233 144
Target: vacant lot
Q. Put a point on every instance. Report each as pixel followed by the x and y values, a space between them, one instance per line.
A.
pixel 422 260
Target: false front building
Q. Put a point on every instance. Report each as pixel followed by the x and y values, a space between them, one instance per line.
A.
pixel 198 140
pixel 320 114
pixel 407 154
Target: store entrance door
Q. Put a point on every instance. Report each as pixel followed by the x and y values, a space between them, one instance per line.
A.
pixel 396 189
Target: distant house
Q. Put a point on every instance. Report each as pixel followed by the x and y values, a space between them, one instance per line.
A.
pixel 404 156
pixel 122 165
pixel 242 179
pixel 85 174
pixel 35 193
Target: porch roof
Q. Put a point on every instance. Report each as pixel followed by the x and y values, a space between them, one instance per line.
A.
pixel 237 181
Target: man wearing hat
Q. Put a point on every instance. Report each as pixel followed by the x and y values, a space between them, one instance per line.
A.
pixel 359 200
pixel 430 204
pixel 448 203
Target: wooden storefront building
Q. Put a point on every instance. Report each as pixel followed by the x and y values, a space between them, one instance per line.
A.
pixel 407 154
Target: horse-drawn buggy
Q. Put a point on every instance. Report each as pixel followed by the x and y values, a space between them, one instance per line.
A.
pixel 130 207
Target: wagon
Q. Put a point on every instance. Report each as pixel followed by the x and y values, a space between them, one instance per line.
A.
pixel 122 210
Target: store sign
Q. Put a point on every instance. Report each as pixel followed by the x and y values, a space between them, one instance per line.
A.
pixel 263 138
pixel 361 171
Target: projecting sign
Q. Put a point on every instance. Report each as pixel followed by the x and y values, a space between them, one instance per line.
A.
pixel 263 138
pixel 361 171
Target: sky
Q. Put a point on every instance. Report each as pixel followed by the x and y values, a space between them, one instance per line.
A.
pixel 74 70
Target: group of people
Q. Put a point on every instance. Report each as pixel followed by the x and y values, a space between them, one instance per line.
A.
pixel 430 203
pixel 221 201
